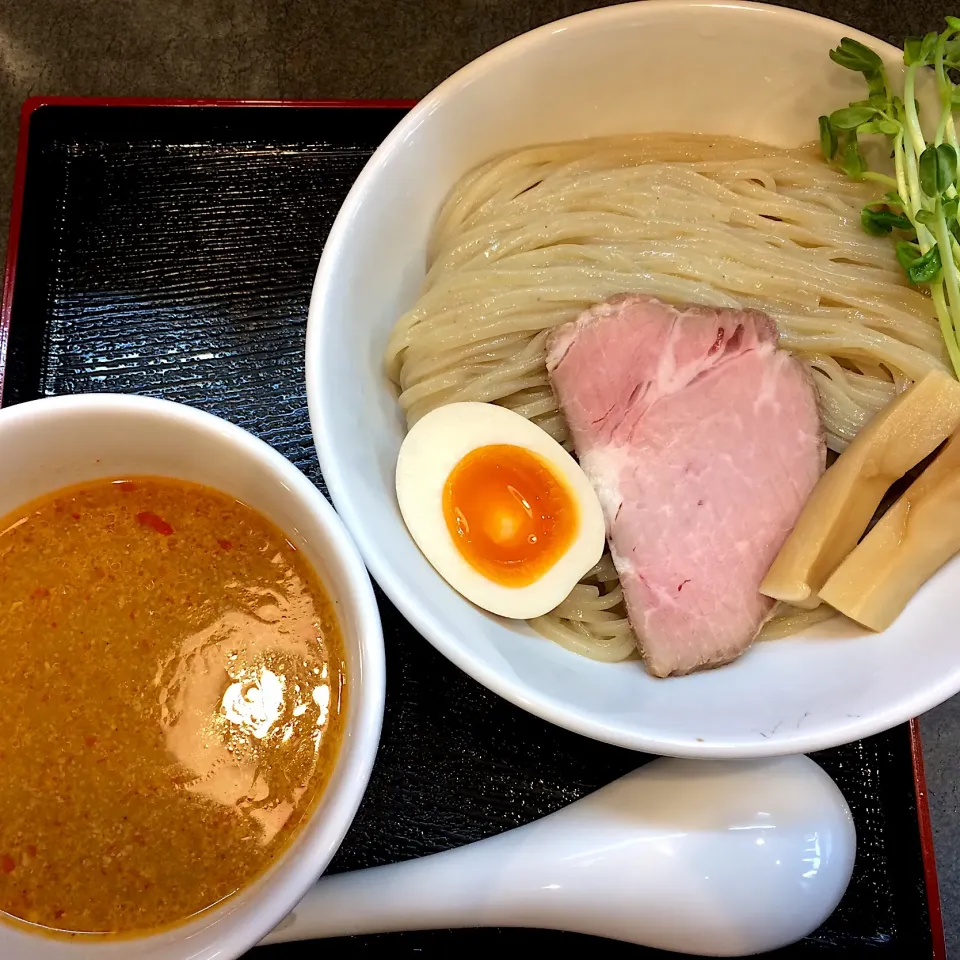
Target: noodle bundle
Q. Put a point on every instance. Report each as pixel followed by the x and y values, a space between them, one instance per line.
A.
pixel 530 239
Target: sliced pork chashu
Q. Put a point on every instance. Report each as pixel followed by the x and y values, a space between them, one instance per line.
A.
pixel 703 441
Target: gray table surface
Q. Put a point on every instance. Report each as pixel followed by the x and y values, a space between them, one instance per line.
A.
pixel 315 49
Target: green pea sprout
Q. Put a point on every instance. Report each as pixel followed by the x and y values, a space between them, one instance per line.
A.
pixel 919 209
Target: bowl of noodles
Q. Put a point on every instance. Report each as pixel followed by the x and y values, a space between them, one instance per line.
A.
pixel 670 145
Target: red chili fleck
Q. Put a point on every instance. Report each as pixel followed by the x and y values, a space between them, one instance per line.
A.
pixel 76 516
pixel 125 485
pixel 6 863
pixel 31 850
pixel 225 544
pixel 90 741
pixel 58 914
pixel 151 520
pixel 718 343
pixel 40 592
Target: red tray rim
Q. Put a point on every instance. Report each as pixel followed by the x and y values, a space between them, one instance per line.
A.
pixel 31 105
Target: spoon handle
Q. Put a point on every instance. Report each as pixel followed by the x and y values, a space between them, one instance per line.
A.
pixel 519 878
pixel 425 894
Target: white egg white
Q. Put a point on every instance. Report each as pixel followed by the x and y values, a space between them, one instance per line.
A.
pixel 430 451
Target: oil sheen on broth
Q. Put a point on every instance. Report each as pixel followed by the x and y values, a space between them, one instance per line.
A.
pixel 172 681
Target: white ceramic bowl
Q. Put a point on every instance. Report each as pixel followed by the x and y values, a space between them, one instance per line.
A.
pixel 684 65
pixel 49 444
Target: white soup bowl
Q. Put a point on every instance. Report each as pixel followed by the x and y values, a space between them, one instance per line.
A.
pixel 54 443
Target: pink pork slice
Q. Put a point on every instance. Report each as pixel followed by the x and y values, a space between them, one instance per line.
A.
pixel 703 442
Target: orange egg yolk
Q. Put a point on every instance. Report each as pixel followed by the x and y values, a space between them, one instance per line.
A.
pixel 509 514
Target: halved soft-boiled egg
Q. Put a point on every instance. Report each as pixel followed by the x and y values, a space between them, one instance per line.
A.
pixel 501 510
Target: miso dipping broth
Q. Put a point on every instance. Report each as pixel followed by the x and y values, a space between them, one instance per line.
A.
pixel 173 695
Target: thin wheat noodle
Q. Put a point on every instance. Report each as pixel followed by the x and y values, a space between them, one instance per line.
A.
pixel 529 239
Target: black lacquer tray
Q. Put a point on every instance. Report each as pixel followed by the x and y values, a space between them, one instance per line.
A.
pixel 168 248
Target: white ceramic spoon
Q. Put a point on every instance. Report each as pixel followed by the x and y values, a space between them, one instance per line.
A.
pixel 719 858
